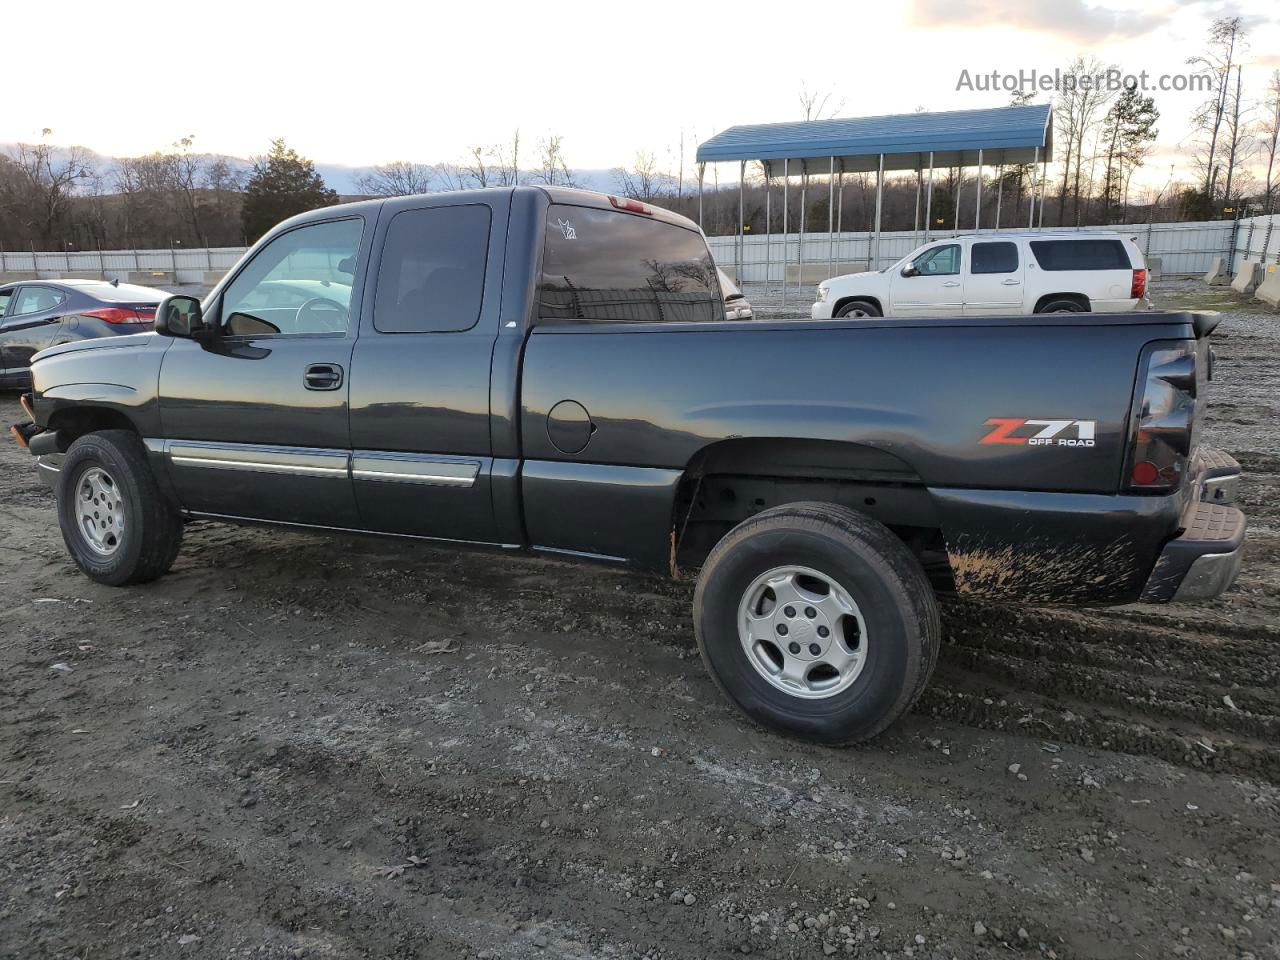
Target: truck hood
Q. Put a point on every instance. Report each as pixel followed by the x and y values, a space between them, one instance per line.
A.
pixel 149 338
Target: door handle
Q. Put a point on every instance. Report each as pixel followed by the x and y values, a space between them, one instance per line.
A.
pixel 323 376
pixel 951 283
pixel 1010 283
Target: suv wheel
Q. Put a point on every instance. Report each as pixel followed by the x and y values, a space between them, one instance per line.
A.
pixel 115 522
pixel 858 308
pixel 1062 306
pixel 816 620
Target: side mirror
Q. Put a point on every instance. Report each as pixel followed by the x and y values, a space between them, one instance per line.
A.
pixel 910 270
pixel 180 316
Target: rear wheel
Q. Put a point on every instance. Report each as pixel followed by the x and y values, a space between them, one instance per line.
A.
pixel 115 522
pixel 817 621
pixel 1062 306
pixel 858 308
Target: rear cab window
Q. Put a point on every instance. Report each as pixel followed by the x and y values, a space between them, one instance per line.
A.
pixel 610 265
pixel 1101 254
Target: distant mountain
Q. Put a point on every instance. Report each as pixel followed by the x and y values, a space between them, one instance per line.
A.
pixel 339 177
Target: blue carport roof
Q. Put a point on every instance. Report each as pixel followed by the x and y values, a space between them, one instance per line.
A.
pixel 1003 134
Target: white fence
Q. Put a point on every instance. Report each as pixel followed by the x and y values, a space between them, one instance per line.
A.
pixel 1183 248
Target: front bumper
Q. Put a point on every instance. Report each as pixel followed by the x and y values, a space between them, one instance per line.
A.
pixel 1203 560
pixel 821 310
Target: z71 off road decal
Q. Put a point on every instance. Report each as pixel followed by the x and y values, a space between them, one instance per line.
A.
pixel 1041 433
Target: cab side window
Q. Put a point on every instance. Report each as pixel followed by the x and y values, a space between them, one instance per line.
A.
pixel 299 284
pixel 5 297
pixel 941 261
pixel 431 276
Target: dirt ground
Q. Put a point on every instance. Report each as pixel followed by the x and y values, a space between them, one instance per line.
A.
pixel 297 746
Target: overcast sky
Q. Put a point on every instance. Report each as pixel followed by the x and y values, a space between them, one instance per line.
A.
pixel 373 81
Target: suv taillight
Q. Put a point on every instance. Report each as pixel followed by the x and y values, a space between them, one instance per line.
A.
pixel 1164 412
pixel 1138 288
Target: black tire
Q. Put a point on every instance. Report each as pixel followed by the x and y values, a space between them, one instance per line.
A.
pixel 858 308
pixel 877 572
pixel 152 528
pixel 1063 306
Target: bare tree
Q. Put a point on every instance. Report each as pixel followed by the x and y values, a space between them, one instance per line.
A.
pixel 552 168
pixel 644 181
pixel 1269 131
pixel 817 105
pixel 397 179
pixel 186 170
pixel 1081 105
pixel 1237 138
pixel 46 181
pixel 1226 39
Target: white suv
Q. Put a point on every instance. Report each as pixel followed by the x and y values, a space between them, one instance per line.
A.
pixel 996 275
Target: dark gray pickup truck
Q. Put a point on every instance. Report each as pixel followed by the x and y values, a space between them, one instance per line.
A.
pixel 552 371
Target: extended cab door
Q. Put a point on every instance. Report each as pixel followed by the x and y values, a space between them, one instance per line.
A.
pixel 421 454
pixel 993 283
pixel 930 284
pixel 255 419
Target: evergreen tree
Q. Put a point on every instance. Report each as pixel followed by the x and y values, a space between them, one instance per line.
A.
pixel 1128 131
pixel 282 184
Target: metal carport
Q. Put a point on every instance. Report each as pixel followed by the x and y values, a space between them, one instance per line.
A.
pixel 908 141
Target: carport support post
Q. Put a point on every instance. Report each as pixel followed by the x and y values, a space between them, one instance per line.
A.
pixel 1031 216
pixel 804 190
pixel 768 227
pixel 840 205
pixel 742 248
pixel 831 218
pixel 786 224
pixel 1044 176
pixel 915 217
pixel 977 204
pixel 999 192
pixel 928 202
pixel 702 169
pixel 875 250
pixel 955 221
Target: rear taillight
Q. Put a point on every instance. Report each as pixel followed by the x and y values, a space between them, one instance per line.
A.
pixel 1164 412
pixel 1138 289
pixel 120 315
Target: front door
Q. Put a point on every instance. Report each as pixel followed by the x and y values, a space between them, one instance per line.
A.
pixel 930 285
pixel 255 419
pixel 993 284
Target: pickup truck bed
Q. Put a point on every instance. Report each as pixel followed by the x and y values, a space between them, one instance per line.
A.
pixel 561 379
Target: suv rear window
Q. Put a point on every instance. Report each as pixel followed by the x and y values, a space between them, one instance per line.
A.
pixel 602 265
pixel 1081 255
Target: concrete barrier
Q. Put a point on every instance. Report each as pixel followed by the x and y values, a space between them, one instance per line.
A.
pixel 1154 268
pixel 77 275
pixel 1269 289
pixel 10 276
pixel 152 278
pixel 820 270
pixel 1217 274
pixel 1247 277
pixel 212 277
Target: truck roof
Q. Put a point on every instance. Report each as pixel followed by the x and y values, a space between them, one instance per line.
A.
pixel 1043 235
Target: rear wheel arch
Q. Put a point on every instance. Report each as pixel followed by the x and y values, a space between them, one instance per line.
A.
pixel 1049 298
pixel 729 481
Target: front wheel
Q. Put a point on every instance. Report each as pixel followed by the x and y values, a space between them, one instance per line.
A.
pixel 115 522
pixel 816 620
pixel 858 309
